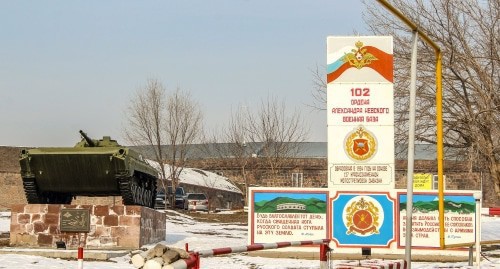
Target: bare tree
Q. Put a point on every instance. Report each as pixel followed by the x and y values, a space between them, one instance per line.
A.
pixel 146 125
pixel 184 123
pixel 467 32
pixel 167 123
pixel 238 137
pixel 279 132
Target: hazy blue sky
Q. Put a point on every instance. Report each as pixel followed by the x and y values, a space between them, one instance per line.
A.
pixel 71 65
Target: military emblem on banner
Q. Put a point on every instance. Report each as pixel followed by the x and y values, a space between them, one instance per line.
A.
pixel 363 217
pixel 359 57
pixel 360 144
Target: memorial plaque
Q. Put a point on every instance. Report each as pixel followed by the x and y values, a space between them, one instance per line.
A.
pixel 75 220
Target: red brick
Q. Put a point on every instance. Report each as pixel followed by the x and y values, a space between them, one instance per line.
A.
pixel 54 209
pixel 129 221
pixel 39 227
pixel 35 217
pixel 18 208
pixel 133 210
pixel 124 232
pixel 101 210
pixel 51 218
pixel 17 228
pixel 89 207
pixel 23 218
pixel 45 240
pixel 111 220
pixel 102 231
pixel 118 209
pixel 35 208
pixel 53 229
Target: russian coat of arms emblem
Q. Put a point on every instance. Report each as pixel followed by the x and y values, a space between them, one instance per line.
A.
pixel 359 57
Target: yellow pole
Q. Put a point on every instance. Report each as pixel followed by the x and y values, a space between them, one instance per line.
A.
pixel 439 127
pixel 439 113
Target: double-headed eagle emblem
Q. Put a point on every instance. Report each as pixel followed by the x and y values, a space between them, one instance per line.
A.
pixel 359 57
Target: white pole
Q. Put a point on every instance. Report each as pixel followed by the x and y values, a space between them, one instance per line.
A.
pixel 411 151
pixel 477 197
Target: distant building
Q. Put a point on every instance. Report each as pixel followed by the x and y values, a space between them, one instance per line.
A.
pixel 288 206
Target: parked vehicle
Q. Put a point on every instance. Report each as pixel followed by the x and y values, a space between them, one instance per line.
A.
pixel 179 197
pixel 196 202
pixel 160 201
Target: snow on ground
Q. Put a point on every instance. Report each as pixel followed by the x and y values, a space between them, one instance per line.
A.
pixel 183 229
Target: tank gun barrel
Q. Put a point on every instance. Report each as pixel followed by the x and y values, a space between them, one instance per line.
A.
pixel 89 141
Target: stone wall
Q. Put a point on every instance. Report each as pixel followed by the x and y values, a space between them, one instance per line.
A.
pixel 12 190
pixel 111 227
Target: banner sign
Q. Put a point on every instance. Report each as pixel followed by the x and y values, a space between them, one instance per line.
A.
pixel 363 219
pixel 422 181
pixel 459 219
pixel 279 215
pixel 360 112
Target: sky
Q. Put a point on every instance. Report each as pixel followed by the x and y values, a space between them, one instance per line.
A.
pixel 67 66
pixel 182 229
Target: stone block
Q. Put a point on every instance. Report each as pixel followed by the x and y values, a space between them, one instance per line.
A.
pixel 23 218
pixel 17 229
pixel 111 220
pixel 18 208
pixel 36 217
pixel 53 229
pixel 101 210
pixel 23 239
pixel 118 210
pixel 102 231
pixel 133 210
pixel 39 227
pixel 51 218
pixel 54 209
pixel 129 221
pixel 35 208
pixel 45 239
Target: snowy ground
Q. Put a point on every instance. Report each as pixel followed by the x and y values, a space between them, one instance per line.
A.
pixel 182 229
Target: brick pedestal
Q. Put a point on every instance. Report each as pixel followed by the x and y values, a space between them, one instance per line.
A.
pixel 111 227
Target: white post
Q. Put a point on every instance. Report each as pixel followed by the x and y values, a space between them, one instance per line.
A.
pixel 411 151
pixel 477 197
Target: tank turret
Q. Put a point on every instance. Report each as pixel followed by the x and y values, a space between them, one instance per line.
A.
pixel 90 168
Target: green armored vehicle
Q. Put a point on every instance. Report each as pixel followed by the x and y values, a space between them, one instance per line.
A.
pixel 90 168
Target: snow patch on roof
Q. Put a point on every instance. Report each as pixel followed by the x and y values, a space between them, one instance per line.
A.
pixel 194 176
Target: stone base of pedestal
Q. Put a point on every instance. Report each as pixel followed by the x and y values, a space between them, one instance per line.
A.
pixel 111 227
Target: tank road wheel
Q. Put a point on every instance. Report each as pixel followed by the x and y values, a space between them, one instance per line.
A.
pixel 142 190
pixel 138 190
pixel 125 190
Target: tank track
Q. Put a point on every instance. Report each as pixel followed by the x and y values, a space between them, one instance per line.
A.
pixel 138 190
pixel 33 195
pixel 31 191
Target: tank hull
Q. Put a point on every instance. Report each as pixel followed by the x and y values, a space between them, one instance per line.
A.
pixel 55 175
